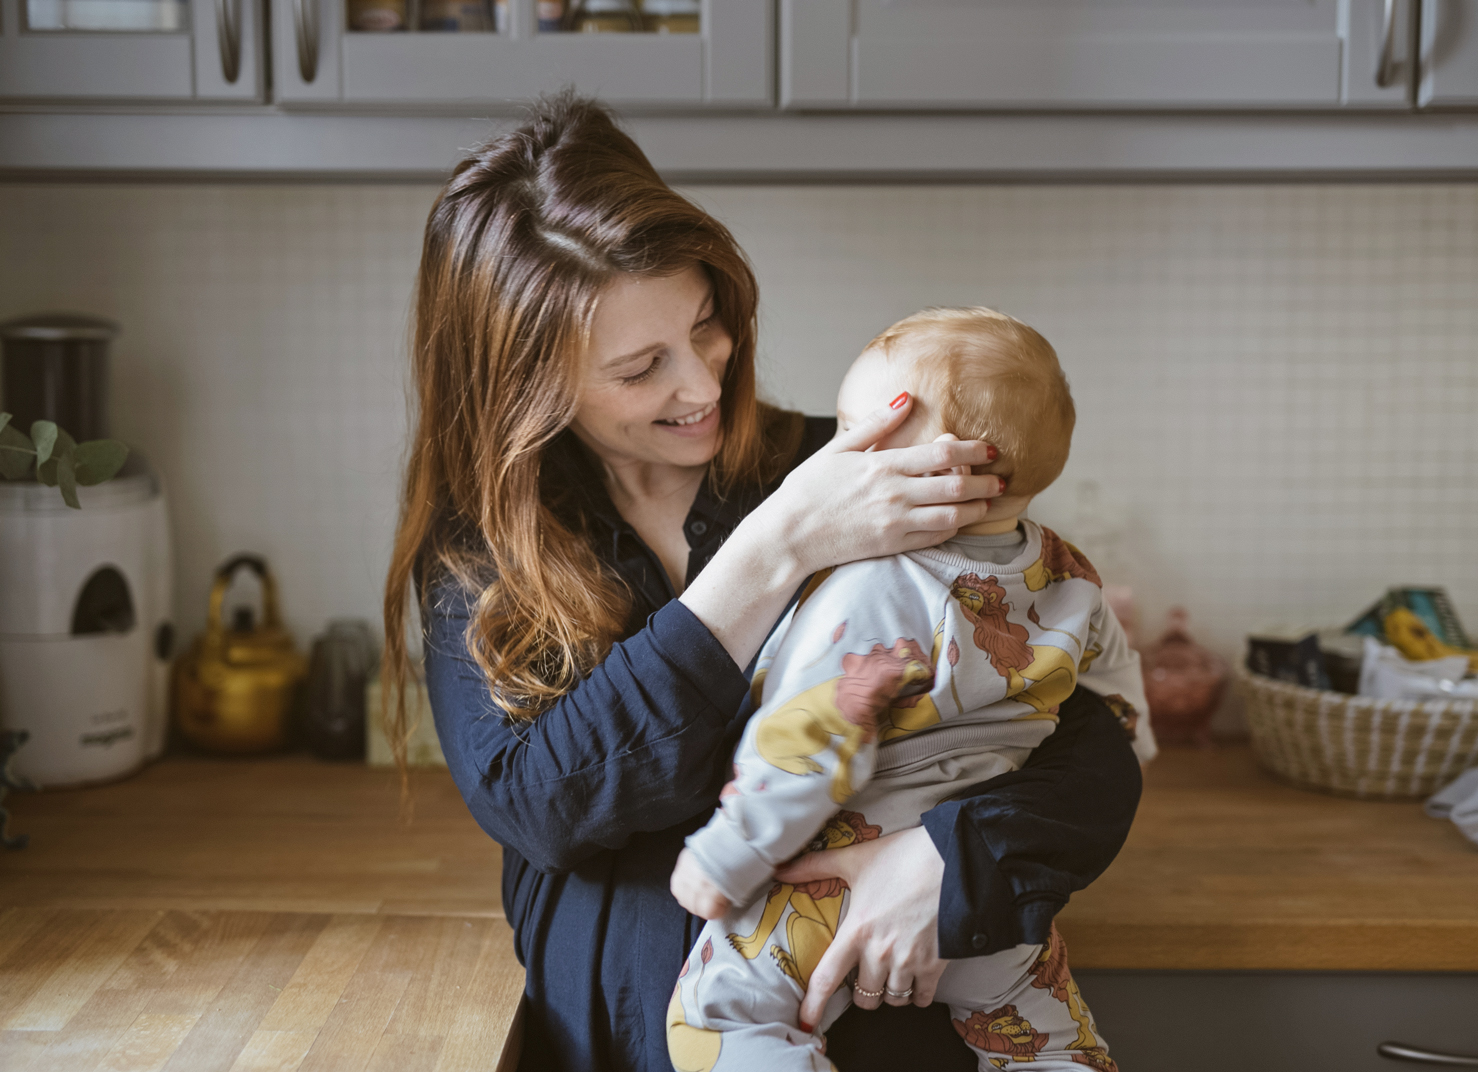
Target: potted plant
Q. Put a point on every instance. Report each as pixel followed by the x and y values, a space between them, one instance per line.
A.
pixel 54 458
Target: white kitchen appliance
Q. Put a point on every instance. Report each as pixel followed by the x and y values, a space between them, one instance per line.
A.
pixel 85 602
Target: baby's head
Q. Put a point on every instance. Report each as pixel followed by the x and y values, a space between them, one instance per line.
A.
pixel 977 374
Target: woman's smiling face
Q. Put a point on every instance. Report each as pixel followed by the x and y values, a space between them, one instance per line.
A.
pixel 652 377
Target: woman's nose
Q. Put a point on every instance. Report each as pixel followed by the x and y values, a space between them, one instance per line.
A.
pixel 700 382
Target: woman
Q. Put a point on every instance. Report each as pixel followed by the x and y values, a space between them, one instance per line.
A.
pixel 602 524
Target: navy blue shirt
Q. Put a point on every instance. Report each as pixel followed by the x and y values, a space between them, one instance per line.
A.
pixel 592 799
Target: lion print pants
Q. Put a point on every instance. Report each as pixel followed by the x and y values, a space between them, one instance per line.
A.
pixel 738 997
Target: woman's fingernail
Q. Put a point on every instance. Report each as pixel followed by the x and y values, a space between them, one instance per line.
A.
pixel 1003 485
pixel 991 453
pixel 807 1028
pixel 898 402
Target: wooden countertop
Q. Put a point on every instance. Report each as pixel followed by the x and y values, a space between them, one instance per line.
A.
pixel 1229 868
pixel 255 914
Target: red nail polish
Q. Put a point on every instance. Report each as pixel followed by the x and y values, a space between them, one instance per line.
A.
pixel 991 453
pixel 807 1028
pixel 1003 484
pixel 898 402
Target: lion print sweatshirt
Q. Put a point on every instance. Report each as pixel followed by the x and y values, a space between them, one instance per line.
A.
pixel 887 665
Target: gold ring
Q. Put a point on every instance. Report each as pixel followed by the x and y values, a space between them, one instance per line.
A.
pixel 860 992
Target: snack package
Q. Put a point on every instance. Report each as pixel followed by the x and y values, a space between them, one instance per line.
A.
pixel 1295 660
pixel 1411 637
pixel 1431 605
pixel 1342 654
pixel 1386 674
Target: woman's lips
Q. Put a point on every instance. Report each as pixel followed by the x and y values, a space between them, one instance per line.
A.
pixel 698 423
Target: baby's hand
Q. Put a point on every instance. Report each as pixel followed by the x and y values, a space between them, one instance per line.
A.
pixel 695 891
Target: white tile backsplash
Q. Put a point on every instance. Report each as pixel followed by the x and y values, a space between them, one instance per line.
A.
pixel 1277 386
pixel 260 364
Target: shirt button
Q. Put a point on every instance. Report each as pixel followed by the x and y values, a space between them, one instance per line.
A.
pixel 698 528
pixel 980 941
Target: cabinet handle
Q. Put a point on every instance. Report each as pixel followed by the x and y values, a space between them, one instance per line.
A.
pixel 1396 1051
pixel 305 24
pixel 1385 68
pixel 228 37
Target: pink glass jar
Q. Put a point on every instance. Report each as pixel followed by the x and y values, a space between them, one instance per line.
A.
pixel 1183 683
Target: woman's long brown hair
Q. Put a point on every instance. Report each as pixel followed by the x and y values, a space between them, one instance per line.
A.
pixel 518 246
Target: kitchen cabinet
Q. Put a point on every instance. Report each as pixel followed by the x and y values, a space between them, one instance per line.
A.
pixel 868 90
pixel 1279 1022
pixel 319 61
pixel 131 50
pixel 1449 55
pixel 1084 54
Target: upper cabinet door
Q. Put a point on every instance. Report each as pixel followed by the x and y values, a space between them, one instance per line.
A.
pixel 659 53
pixel 1449 55
pixel 131 50
pixel 1065 54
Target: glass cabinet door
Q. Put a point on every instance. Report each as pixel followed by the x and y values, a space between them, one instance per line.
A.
pixel 1076 54
pixel 131 50
pixel 471 52
pixel 112 16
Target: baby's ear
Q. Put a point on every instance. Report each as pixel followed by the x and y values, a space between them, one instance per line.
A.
pixel 959 470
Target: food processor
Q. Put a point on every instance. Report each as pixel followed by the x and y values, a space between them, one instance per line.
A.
pixel 86 596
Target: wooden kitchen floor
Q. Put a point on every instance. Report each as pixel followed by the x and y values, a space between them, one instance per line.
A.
pixel 129 990
pixel 247 916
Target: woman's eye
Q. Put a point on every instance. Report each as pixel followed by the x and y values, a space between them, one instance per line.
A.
pixel 644 373
pixel 706 323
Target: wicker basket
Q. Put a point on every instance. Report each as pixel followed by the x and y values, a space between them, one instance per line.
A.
pixel 1358 746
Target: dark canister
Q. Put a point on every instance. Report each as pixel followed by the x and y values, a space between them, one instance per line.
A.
pixel 342 663
pixel 54 367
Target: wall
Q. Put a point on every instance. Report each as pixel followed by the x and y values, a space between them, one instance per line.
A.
pixel 1276 385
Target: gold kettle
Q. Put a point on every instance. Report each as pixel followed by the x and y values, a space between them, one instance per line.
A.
pixel 234 688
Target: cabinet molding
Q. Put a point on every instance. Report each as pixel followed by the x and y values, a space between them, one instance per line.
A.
pixel 264 143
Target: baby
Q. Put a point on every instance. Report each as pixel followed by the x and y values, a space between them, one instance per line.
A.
pixel 892 685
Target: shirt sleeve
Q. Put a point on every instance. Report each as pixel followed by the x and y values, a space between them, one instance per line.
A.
pixel 1017 846
pixel 1114 673
pixel 641 744
pixel 812 744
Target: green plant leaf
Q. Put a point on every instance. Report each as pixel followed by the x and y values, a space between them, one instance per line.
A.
pixel 66 476
pixel 98 460
pixel 46 471
pixel 43 434
pixel 16 453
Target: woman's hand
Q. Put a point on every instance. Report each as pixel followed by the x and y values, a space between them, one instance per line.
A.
pixel 844 503
pixel 890 934
pixel 848 502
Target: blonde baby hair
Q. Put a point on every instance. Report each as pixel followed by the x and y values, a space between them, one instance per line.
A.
pixel 993 378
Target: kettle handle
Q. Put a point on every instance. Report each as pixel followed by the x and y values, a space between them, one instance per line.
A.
pixel 258 565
